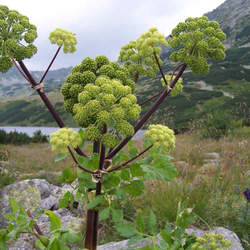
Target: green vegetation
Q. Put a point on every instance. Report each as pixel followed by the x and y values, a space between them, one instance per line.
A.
pixel 21 138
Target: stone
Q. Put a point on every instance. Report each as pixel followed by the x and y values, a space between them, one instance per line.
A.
pixel 227 234
pixel 212 155
pixel 25 193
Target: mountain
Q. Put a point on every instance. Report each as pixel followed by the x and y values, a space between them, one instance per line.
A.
pixel 226 87
pixel 234 18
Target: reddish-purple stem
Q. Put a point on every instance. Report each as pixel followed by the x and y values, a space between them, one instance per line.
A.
pixel 37 228
pixel 52 61
pixel 148 114
pixel 13 60
pixel 130 160
pixel 177 67
pixel 78 165
pixel 159 66
pixel 150 98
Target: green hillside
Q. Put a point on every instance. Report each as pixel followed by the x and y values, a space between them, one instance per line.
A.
pixel 226 87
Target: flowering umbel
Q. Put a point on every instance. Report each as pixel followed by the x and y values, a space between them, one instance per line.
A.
pixel 162 137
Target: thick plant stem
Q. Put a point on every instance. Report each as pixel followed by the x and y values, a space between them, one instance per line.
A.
pixel 42 95
pixel 46 101
pixel 92 215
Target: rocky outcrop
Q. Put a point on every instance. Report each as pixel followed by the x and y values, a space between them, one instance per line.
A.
pixel 35 195
pixel 227 234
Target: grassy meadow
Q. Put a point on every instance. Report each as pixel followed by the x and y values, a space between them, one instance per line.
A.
pixel 213 186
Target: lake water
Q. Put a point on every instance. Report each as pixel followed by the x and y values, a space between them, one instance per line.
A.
pixel 48 130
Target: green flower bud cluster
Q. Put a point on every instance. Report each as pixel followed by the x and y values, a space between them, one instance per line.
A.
pixel 106 102
pixel 177 87
pixel 16 37
pixel 86 73
pixel 195 41
pixel 64 38
pixel 162 137
pixel 63 138
pixel 211 241
pixel 138 55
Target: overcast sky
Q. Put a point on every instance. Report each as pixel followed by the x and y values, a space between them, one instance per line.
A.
pixel 101 26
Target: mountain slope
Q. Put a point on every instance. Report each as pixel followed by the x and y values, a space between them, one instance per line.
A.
pixel 227 86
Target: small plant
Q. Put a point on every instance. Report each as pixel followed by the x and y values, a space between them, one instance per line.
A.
pixel 211 241
pixel 100 95
pixel 21 221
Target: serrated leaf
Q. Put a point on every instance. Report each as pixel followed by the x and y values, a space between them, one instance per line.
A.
pixel 133 152
pixel 3 246
pixel 72 237
pixel 140 223
pixel 85 181
pixel 67 198
pixel 135 240
pixel 167 237
pixel 13 205
pixel 111 180
pixel 44 240
pixel 61 157
pixel 68 176
pixel 55 222
pixel 10 217
pixel 125 175
pixel 152 223
pixel 135 188
pixel 117 215
pixel 39 245
pixel 104 214
pixel 126 229
pixel 136 170
pixel 95 202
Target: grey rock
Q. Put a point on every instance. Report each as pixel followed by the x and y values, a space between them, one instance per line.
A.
pixel 227 234
pixel 212 155
pixel 25 193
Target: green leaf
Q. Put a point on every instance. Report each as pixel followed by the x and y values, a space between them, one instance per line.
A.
pixel 135 188
pixel 85 181
pixel 67 198
pixel 126 229
pixel 136 170
pixel 10 217
pixel 111 180
pixel 55 222
pixel 152 223
pixel 44 240
pixel 95 202
pixel 117 215
pixel 125 175
pixel 135 240
pixel 13 205
pixel 140 223
pixel 39 245
pixel 133 152
pixel 104 214
pixel 167 237
pixel 61 157
pixel 3 246
pixel 161 170
pixel 68 176
pixel 72 237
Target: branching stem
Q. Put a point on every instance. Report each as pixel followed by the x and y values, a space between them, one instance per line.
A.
pixel 52 61
pixel 130 160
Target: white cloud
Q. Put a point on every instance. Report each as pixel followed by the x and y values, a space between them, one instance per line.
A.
pixel 102 26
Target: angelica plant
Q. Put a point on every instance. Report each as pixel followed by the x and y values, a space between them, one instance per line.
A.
pixel 101 97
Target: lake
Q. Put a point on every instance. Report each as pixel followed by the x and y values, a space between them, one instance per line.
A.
pixel 48 130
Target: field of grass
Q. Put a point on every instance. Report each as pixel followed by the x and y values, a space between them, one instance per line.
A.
pixel 213 188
